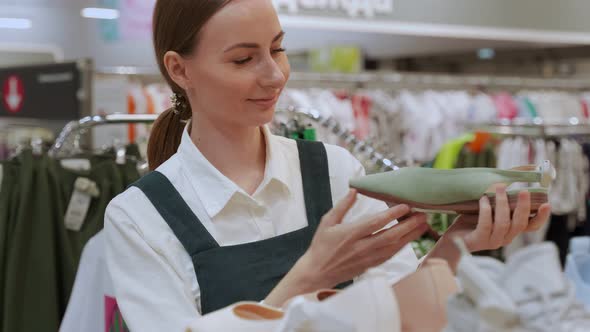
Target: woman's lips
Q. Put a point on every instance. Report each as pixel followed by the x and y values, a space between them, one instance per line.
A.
pixel 265 102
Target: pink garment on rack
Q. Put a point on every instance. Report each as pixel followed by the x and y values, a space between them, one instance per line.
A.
pixel 361 106
pixel 505 106
pixel 585 108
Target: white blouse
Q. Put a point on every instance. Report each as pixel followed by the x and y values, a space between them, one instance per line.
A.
pixel 154 278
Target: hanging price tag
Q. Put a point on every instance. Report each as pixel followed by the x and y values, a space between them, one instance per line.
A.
pixel 76 164
pixel 84 190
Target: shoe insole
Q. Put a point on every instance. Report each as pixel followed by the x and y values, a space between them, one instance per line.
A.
pixel 468 207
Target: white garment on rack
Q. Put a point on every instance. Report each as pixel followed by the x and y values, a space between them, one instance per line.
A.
pixel 86 307
pixel 325 102
pixel 482 109
pixel 565 190
pixel 584 185
pixel 295 97
pixel 538 236
pixel 433 113
pixel 551 149
pixel 342 112
pixel 458 103
pixel 524 111
pixel 431 118
pixel 160 96
pixel 541 155
pixel 387 116
pixel 521 156
pixel 579 177
pixel 554 106
pixel 502 158
pixel 513 152
pixel 418 124
pixel 568 192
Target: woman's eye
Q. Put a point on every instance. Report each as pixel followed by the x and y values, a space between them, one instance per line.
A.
pixel 248 59
pixel 242 61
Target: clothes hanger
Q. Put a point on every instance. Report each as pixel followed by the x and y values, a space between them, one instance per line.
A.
pixel 120 152
pixel 35 145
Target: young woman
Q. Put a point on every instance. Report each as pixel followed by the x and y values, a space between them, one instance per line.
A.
pixel 234 213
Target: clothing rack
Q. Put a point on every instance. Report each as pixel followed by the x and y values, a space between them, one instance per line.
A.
pixel 61 146
pixel 538 128
pixel 389 80
pixel 360 146
pixel 399 79
pixel 78 127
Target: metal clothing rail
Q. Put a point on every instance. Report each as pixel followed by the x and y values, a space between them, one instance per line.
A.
pixel 78 127
pixel 360 146
pixel 369 79
pixel 401 79
pixel 60 147
pixel 538 128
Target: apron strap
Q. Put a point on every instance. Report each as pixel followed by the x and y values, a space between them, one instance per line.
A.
pixel 182 220
pixel 315 175
pixel 194 236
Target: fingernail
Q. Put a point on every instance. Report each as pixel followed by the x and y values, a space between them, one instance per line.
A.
pixel 484 199
pixel 501 189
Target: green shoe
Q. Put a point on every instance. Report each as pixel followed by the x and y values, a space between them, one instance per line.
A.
pixel 454 190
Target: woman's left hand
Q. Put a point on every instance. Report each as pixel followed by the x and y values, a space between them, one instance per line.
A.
pixel 492 230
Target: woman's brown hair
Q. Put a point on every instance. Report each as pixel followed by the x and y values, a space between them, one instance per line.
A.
pixel 176 27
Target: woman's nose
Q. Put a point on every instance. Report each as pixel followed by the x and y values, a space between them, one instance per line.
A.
pixel 271 75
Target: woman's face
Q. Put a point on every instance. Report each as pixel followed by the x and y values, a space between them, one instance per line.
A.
pixel 239 67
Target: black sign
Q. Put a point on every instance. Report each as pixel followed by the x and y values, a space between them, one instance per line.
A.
pixel 48 92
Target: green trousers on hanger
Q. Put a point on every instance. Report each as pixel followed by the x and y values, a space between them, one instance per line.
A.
pixel 32 289
pixel 42 254
pixel 7 188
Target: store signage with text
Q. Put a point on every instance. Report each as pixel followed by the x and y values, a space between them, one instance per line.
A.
pixel 48 92
pixel 353 8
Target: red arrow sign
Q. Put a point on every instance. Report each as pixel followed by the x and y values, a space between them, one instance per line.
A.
pixel 13 94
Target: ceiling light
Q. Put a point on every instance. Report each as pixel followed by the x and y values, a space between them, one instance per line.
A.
pixel 15 23
pixel 100 13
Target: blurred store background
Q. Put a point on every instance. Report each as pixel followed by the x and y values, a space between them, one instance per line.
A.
pixel 397 82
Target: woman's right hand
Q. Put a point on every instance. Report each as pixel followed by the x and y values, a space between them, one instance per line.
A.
pixel 340 252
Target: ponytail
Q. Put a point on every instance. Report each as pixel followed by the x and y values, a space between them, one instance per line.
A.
pixel 165 136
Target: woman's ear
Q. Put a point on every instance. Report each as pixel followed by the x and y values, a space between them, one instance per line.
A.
pixel 176 67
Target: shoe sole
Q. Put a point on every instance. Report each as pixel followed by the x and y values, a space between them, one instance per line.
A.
pixel 467 207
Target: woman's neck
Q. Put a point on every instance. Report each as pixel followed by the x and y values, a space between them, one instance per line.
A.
pixel 239 153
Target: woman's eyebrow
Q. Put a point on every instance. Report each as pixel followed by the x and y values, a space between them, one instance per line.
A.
pixel 253 45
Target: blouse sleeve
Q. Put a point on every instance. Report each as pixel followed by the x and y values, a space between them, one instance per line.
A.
pixel 150 293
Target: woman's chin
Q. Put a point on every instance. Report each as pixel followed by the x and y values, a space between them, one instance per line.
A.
pixel 264 116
